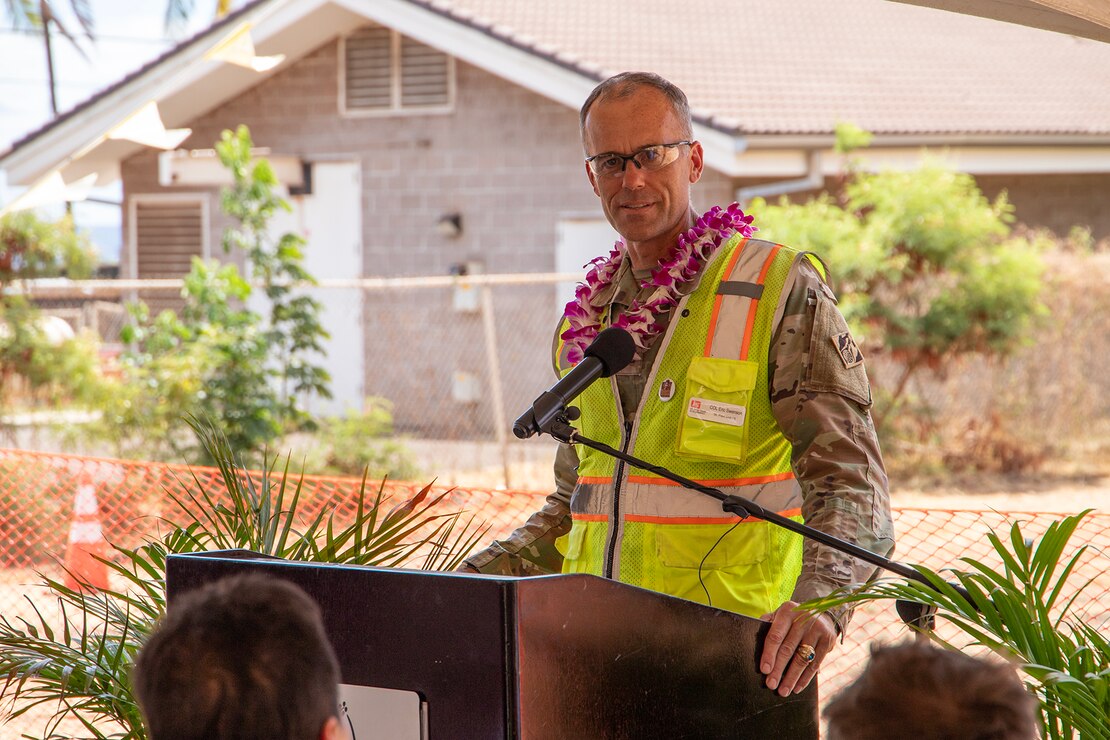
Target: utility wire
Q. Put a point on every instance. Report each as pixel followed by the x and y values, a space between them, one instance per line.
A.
pixel 95 37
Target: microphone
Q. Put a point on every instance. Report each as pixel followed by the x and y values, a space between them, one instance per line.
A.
pixel 609 353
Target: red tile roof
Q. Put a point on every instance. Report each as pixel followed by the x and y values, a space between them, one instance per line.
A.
pixel 799 66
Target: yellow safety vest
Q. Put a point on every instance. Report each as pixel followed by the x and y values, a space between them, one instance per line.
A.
pixel 706 415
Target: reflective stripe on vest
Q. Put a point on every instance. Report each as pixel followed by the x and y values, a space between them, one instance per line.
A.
pixel 716 428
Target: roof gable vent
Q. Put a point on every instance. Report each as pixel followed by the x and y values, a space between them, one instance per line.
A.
pixel 384 71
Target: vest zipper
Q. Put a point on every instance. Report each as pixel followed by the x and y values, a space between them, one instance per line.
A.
pixel 614 525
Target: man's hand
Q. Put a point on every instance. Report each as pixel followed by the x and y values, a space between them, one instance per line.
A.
pixel 793 636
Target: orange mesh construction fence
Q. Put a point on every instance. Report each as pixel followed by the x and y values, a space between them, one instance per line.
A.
pixel 38 493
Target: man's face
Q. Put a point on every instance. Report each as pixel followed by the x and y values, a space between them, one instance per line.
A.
pixel 646 208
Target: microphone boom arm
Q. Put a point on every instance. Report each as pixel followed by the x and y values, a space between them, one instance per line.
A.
pixel 741 506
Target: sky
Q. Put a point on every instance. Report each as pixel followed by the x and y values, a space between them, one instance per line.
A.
pixel 128 33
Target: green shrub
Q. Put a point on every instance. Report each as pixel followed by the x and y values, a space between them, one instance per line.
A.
pixel 209 362
pixel 30 248
pixel 926 268
pixel 354 443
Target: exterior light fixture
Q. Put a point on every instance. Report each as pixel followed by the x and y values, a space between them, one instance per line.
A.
pixel 450 224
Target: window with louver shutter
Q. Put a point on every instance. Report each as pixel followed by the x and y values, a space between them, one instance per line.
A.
pixel 168 234
pixel 384 72
pixel 367 56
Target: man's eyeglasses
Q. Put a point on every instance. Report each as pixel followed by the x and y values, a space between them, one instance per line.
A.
pixel 650 158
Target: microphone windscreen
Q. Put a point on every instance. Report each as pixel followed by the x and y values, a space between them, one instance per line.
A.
pixel 614 348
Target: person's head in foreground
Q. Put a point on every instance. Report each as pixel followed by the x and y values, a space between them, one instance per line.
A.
pixel 918 690
pixel 245 657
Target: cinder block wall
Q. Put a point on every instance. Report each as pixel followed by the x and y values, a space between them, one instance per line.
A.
pixel 1057 202
pixel 508 160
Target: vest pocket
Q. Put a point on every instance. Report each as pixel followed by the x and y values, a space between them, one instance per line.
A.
pixel 576 548
pixel 715 409
pixel 736 573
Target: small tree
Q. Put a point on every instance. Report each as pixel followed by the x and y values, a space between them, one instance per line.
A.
pixel 294 332
pixel 217 358
pixel 927 269
pixel 208 361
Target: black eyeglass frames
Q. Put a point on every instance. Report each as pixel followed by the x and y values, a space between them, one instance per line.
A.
pixel 650 158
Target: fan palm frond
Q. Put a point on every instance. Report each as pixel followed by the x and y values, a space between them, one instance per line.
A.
pixel 1019 611
pixel 78 663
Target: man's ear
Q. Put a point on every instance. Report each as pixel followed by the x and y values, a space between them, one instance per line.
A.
pixel 697 161
pixel 335 729
pixel 593 180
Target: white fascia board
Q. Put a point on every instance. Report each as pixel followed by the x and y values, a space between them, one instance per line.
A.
pixel 723 152
pixel 1032 160
pixel 80 133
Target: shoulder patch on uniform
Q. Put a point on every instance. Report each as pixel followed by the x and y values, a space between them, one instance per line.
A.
pixel 847 349
pixel 835 362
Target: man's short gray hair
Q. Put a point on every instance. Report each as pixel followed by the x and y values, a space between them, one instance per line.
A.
pixel 623 85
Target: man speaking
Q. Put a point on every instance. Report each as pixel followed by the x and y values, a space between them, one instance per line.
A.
pixel 745 378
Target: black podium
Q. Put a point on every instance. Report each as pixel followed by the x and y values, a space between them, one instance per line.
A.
pixel 568 657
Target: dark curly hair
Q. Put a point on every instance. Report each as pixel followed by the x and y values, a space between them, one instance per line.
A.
pixel 245 657
pixel 918 690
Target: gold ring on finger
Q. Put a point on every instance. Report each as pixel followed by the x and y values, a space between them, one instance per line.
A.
pixel 806 652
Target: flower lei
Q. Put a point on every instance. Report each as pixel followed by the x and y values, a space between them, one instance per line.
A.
pixel 693 249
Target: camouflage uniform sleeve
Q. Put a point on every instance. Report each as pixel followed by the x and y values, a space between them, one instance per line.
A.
pixel 530 549
pixel 821 399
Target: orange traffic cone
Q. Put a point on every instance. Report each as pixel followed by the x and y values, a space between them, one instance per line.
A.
pixel 85 540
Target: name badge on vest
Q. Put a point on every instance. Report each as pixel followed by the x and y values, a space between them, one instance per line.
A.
pixel 718 411
pixel 666 390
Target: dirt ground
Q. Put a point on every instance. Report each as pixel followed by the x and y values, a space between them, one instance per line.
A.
pixel 529 468
pixel 1064 495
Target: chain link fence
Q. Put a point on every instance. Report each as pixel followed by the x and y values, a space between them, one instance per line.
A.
pixel 460 357
pixel 457 358
pixel 37 510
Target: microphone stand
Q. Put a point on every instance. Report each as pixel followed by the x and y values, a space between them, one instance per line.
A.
pixel 912 613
